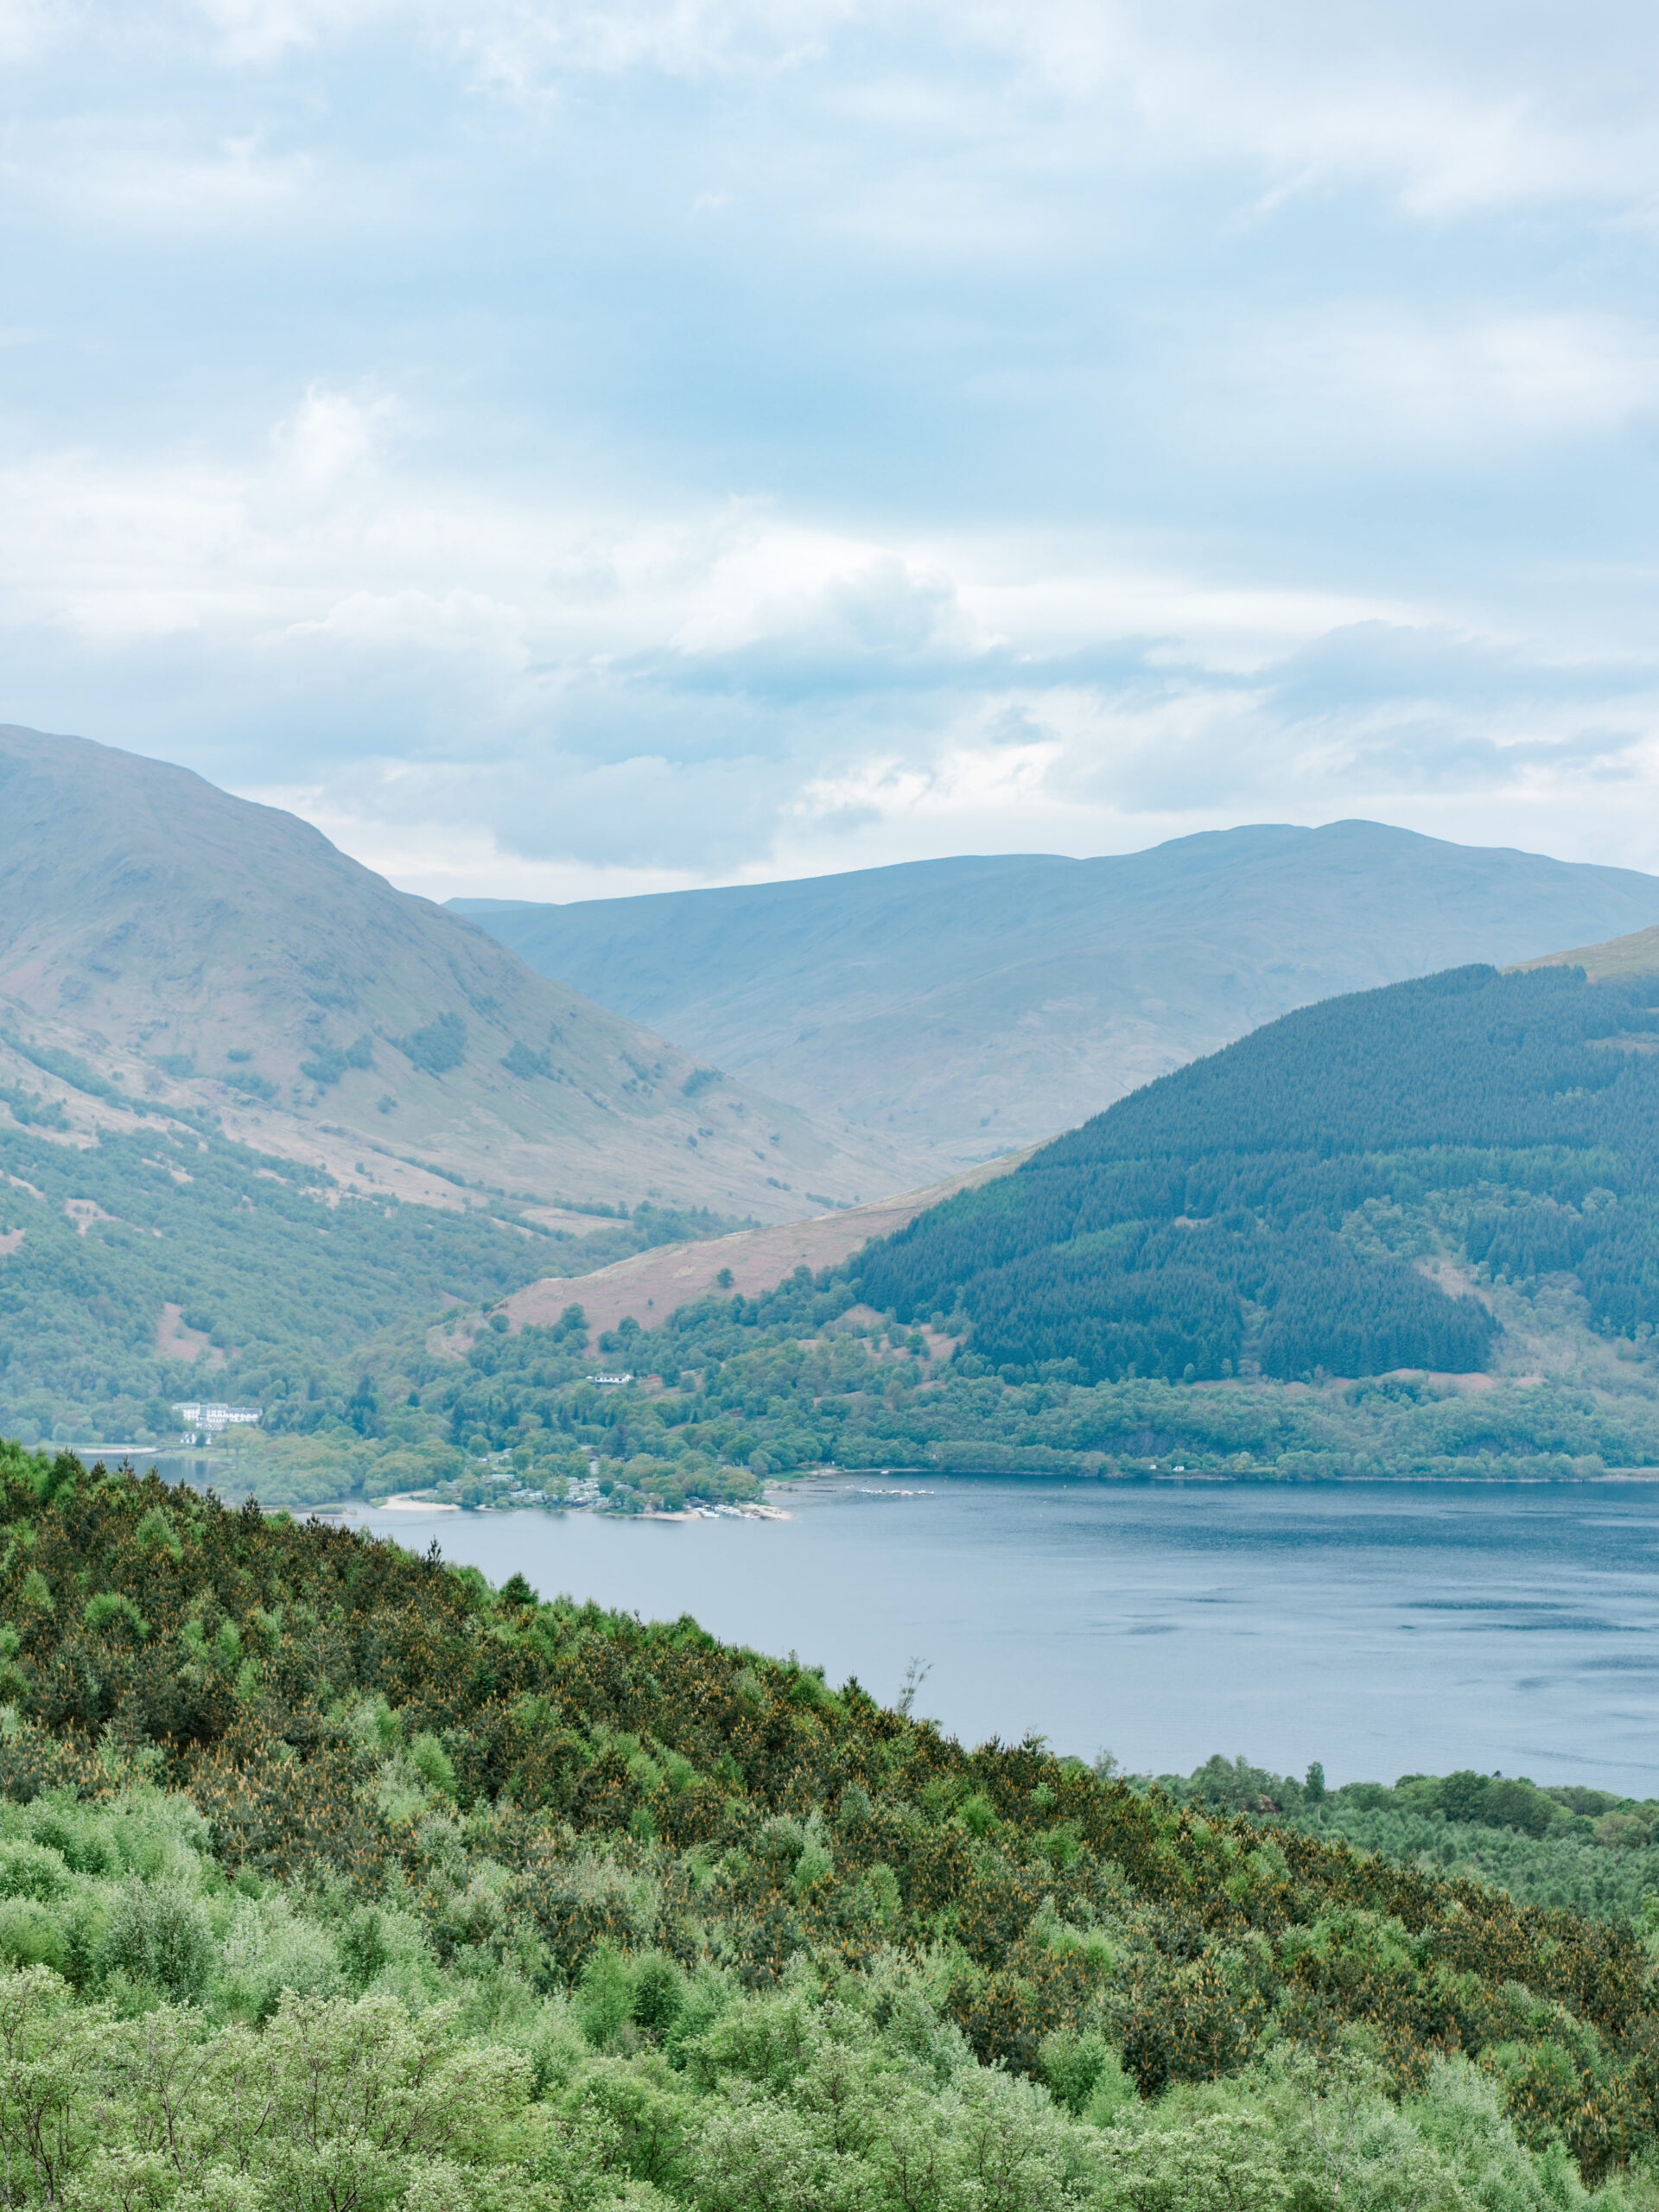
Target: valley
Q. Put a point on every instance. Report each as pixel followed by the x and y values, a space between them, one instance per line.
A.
pixel 1400 1232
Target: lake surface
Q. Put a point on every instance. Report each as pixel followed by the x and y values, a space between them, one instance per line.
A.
pixel 1381 1627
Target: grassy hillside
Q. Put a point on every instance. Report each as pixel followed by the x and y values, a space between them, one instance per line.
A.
pixel 978 1004
pixel 331 1876
pixel 1623 959
pixel 162 942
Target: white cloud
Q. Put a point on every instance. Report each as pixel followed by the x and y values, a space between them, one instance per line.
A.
pixel 1460 379
pixel 682 438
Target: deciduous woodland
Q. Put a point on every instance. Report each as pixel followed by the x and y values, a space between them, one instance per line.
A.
pixel 333 1877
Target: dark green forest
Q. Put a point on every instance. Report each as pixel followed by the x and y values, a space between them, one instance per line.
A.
pixel 1195 1229
pixel 331 1876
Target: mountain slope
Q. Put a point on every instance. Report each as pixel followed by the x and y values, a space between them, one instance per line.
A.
pixel 978 1004
pixel 1260 1210
pixel 652 1283
pixel 1620 959
pixel 175 944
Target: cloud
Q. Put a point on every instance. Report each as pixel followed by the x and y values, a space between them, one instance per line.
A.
pixel 560 444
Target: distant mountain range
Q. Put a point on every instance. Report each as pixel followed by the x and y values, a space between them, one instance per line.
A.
pixel 969 1006
pixel 163 942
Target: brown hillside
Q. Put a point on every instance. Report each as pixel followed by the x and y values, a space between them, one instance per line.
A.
pixel 650 1284
pixel 194 948
pixel 1635 955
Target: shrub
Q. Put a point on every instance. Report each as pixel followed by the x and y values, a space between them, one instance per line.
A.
pixel 31 1936
pixel 159 1935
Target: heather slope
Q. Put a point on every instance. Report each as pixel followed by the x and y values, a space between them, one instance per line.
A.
pixel 328 1864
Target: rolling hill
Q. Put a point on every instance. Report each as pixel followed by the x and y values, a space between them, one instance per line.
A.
pixel 977 1005
pixel 162 942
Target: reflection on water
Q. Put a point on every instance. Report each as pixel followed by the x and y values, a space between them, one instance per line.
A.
pixel 1381 1627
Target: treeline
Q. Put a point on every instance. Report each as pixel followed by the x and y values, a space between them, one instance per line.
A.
pixel 1195 1229
pixel 799 1378
pixel 1592 1850
pixel 327 1868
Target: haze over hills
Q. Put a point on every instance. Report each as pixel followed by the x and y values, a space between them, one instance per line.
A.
pixel 975 1004
pixel 190 948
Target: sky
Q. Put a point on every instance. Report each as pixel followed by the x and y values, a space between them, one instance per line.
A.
pixel 570 450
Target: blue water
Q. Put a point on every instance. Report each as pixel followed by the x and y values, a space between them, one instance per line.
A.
pixel 1381 1628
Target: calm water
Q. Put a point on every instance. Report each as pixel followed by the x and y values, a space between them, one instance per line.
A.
pixel 1380 1628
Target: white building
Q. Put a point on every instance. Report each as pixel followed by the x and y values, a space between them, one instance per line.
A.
pixel 214 1417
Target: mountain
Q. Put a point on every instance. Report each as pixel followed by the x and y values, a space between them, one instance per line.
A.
pixel 161 941
pixel 977 1004
pixel 1282 1206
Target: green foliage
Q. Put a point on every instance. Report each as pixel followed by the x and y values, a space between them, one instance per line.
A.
pixel 437 1047
pixel 67 1066
pixel 519 1060
pixel 155 1532
pixel 111 1605
pixel 794 1378
pixel 582 1908
pixel 1592 1850
pixel 328 1062
pixel 287 1287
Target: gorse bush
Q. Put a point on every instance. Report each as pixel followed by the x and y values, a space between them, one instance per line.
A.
pixel 356 1882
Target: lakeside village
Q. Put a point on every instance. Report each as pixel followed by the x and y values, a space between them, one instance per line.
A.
pixel 512 1480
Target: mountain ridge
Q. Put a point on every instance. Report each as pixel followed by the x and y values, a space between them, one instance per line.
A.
pixel 980 1003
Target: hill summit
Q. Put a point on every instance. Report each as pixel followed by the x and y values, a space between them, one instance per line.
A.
pixel 164 941
pixel 977 1004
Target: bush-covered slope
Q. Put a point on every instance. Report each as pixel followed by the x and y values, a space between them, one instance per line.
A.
pixel 1594 1850
pixel 1214 1221
pixel 279 1279
pixel 325 1867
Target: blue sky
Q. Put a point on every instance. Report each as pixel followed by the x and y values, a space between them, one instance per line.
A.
pixel 562 450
